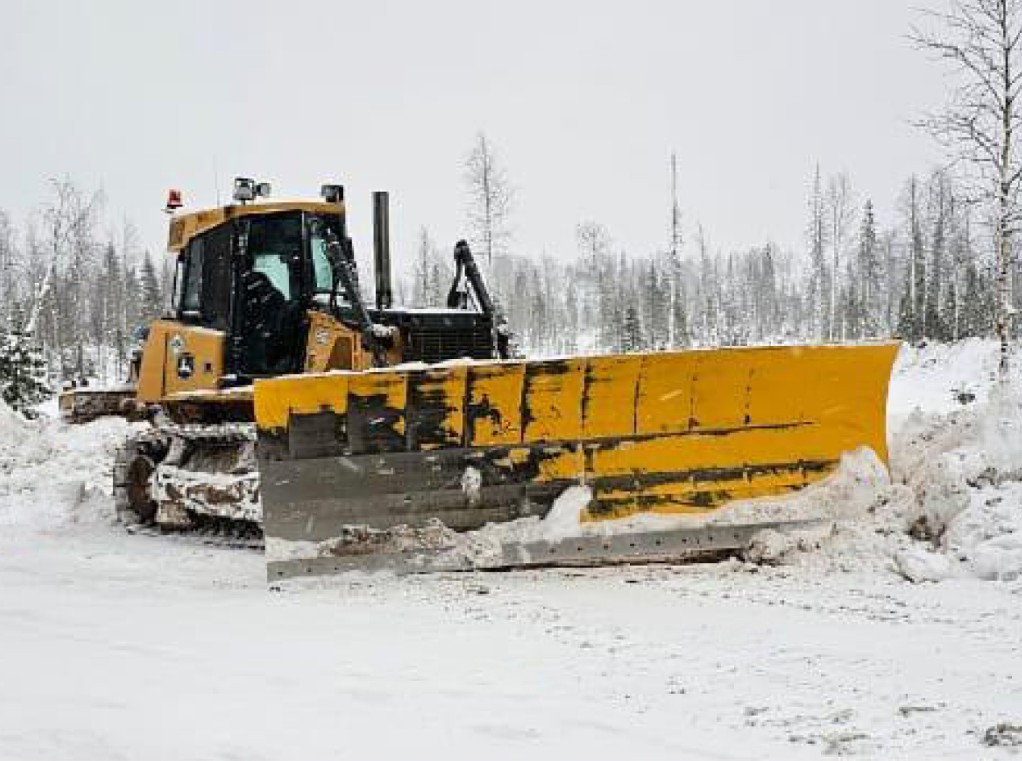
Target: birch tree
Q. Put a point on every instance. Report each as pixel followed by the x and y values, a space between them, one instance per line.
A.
pixel 8 261
pixel 839 218
pixel 490 197
pixel 980 41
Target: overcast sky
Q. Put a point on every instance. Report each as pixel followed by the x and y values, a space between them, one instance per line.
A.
pixel 584 100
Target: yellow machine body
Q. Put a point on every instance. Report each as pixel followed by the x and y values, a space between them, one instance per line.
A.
pixel 180 360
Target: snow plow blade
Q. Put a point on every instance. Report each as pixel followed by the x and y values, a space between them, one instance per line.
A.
pixel 403 468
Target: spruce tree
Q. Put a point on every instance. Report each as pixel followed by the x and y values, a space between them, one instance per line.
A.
pixel 631 331
pixel 819 280
pixel 150 296
pixel 977 316
pixel 870 285
pixel 23 378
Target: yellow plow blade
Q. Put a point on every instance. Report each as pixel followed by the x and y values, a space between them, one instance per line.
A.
pixel 350 460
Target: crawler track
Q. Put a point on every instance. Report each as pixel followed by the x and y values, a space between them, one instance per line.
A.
pixel 195 478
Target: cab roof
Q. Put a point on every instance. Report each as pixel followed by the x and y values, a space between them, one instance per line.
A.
pixel 184 227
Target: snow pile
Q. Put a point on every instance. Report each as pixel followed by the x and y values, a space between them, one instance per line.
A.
pixel 13 427
pixel 954 504
pixel 52 474
pixel 850 493
pixel 563 521
pixel 963 471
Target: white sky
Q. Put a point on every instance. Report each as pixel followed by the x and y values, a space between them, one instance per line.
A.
pixel 584 101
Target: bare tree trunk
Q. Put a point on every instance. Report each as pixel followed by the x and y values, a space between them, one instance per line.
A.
pixel 1004 221
pixel 675 245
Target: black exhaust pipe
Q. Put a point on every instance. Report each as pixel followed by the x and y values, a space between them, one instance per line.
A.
pixel 381 249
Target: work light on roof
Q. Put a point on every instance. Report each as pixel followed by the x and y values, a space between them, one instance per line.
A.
pixel 332 193
pixel 247 190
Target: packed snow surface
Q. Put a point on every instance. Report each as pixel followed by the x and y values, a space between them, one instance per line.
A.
pixel 893 633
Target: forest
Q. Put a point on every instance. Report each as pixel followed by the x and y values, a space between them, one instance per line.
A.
pixel 922 271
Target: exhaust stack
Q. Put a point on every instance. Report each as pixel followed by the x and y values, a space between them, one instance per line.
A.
pixel 381 249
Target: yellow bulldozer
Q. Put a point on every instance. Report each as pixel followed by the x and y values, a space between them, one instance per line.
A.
pixel 286 410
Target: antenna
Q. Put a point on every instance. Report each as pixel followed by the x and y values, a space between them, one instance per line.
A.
pixel 216 181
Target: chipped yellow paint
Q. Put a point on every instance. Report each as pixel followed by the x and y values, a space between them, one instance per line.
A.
pixel 444 387
pixel 390 387
pixel 569 464
pixel 681 432
pixel 519 455
pixel 277 398
pixel 685 498
pixel 691 496
pixel 553 400
pixel 495 395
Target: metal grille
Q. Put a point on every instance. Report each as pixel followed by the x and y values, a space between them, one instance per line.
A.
pixel 436 342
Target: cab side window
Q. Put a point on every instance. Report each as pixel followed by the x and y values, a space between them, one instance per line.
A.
pixel 191 293
pixel 275 244
pixel 216 278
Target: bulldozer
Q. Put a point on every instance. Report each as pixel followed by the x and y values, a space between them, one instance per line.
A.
pixel 288 411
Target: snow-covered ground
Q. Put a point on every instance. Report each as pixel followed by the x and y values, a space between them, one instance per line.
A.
pixel 865 641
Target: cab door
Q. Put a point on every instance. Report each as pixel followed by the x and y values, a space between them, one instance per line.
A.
pixel 195 347
pixel 272 297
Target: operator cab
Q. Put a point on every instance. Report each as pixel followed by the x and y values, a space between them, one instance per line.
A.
pixel 253 276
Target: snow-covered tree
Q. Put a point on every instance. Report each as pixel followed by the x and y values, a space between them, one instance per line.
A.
pixel 150 294
pixel 23 376
pixel 870 276
pixel 490 198
pixel 981 41
pixel 839 217
pixel 819 281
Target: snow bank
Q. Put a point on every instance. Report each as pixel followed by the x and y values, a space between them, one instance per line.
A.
pixel 940 377
pixel 954 507
pixel 13 427
pixel 963 470
pixel 53 474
